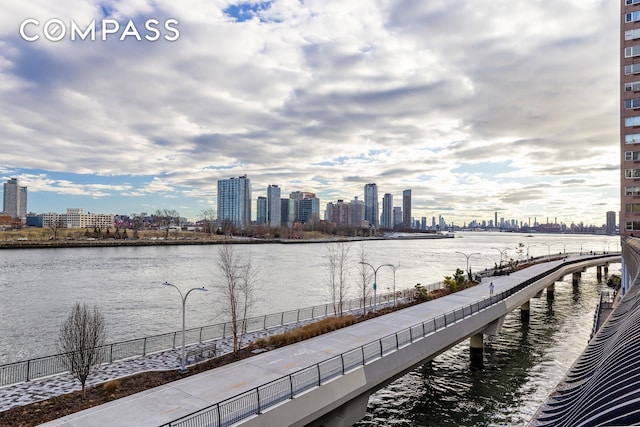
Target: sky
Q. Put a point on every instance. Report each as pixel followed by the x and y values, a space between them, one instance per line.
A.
pixel 477 106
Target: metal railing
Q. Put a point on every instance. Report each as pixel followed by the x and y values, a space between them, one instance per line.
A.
pixel 27 370
pixel 255 401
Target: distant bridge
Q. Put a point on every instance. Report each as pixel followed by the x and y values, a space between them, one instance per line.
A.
pixel 327 380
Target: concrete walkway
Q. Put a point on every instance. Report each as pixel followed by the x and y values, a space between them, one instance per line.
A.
pixel 56 385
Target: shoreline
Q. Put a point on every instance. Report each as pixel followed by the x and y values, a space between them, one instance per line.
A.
pixel 54 244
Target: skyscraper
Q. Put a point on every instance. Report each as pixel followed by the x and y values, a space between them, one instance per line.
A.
pixel 371 204
pixel 358 210
pixel 610 228
pixel 274 207
pixel 261 210
pixel 386 220
pixel 406 208
pixel 234 200
pixel 15 199
pixel 630 120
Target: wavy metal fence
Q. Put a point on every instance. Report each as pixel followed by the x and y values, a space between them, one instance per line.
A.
pixel 257 400
pixel 45 366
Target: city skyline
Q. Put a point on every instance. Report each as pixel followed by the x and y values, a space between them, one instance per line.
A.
pixel 478 107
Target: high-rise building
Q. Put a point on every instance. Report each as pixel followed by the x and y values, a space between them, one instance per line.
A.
pixel 406 208
pixel 274 208
pixel 15 199
pixel 307 206
pixel 630 120
pixel 234 200
pixel 386 220
pixel 610 227
pixel 397 216
pixel 287 212
pixel 261 210
pixel 371 204
pixel 358 210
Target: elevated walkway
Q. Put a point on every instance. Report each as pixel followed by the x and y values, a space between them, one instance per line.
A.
pixel 327 380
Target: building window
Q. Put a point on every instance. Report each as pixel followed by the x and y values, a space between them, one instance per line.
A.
pixel 632 225
pixel 632 34
pixel 632 121
pixel 632 173
pixel 632 138
pixel 632 16
pixel 632 208
pixel 632 2
pixel 630 52
pixel 631 104
pixel 632 87
pixel 632 191
pixel 632 156
pixel 631 69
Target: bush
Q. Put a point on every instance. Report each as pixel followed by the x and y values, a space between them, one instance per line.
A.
pixel 112 386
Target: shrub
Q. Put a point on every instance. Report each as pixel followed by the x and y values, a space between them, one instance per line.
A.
pixel 112 386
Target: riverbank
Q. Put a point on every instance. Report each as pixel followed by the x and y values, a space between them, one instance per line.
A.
pixel 155 241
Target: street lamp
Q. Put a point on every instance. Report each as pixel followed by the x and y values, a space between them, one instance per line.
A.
pixel 183 359
pixel 375 280
pixel 468 256
pixel 394 283
pixel 502 254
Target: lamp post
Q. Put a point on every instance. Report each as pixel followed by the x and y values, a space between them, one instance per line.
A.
pixel 394 284
pixel 375 280
pixel 468 256
pixel 183 359
pixel 502 252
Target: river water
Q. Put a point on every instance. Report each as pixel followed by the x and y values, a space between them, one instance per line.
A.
pixel 522 364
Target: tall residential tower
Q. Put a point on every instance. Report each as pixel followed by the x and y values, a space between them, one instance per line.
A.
pixel 630 118
pixel 15 199
pixel 371 204
pixel 234 200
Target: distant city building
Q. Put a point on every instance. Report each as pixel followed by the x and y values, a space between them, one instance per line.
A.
pixel 261 210
pixel 15 199
pixel 610 227
pixel 287 212
pixel 340 213
pixel 397 216
pixel 274 208
pixel 234 200
pixel 371 204
pixel 307 206
pixel 386 219
pixel 76 218
pixel 423 223
pixel 357 213
pixel 406 208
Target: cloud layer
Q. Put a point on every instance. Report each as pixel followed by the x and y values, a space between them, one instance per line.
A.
pixel 477 106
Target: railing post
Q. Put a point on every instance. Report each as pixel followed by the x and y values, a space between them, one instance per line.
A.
pixel 224 329
pixel 111 352
pixel 219 415
pixel 342 360
pixel 200 337
pixel 282 319
pixel 397 343
pixel 319 375
pixel 28 368
pixel 410 335
pixel 264 323
pixel 380 341
pixel 174 340
pixel 258 396
pixel 291 385
pixel 144 347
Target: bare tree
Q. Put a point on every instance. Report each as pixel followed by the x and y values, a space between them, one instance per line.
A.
pixel 238 282
pixel 338 262
pixel 165 218
pixel 364 278
pixel 208 220
pixel 81 336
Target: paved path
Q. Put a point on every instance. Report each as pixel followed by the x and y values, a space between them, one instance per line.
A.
pixel 45 388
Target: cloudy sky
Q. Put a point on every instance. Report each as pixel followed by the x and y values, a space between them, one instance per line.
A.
pixel 476 105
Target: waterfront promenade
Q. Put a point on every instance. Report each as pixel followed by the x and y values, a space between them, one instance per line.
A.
pixel 171 401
